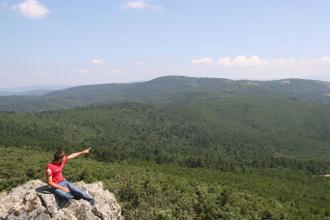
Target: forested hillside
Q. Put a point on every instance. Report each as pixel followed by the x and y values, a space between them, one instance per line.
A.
pixel 216 132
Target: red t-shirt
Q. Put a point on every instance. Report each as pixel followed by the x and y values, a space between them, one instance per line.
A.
pixel 55 170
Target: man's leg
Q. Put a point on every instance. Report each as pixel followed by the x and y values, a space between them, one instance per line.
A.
pixel 60 193
pixel 80 192
pixel 63 195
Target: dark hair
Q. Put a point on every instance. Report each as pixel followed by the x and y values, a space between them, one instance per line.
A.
pixel 58 154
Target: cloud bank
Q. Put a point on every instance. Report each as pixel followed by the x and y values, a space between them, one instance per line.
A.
pixel 256 61
pixel 97 70
pixel 243 61
pixel 255 67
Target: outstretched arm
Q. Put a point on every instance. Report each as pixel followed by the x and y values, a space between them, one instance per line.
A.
pixel 77 154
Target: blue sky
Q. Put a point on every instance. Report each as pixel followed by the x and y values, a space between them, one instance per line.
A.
pixel 87 42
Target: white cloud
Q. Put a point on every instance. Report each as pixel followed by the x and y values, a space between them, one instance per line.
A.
pixel 136 5
pixel 325 59
pixel 98 61
pixel 225 61
pixel 255 61
pixel 140 5
pixel 204 60
pixel 2 74
pixel 31 9
pixel 243 61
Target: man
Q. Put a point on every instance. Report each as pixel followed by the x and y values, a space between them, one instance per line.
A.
pixel 60 186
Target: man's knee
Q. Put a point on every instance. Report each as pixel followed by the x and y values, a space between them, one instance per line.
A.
pixel 62 194
pixel 80 192
pixel 84 194
pixel 72 187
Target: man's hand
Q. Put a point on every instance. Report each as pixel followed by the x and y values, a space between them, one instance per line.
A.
pixel 56 186
pixel 65 189
pixel 87 150
pixel 74 155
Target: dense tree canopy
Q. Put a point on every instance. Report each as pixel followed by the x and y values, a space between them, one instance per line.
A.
pixel 226 133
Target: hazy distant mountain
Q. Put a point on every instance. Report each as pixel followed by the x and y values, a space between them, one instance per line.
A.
pixel 27 93
pixel 4 93
pixel 36 92
pixel 30 90
pixel 167 89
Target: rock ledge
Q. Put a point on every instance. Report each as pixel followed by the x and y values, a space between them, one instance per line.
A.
pixel 32 200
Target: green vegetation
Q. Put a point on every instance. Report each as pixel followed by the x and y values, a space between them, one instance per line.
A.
pixel 182 148
pixel 149 191
pixel 226 133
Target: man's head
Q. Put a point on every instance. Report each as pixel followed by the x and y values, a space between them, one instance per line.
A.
pixel 59 155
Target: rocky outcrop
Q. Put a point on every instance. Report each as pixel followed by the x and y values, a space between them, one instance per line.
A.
pixel 34 201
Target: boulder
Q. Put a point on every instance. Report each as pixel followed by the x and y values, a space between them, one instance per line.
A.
pixel 33 200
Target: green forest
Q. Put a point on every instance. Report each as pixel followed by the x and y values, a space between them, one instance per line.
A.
pixel 213 149
pixel 150 191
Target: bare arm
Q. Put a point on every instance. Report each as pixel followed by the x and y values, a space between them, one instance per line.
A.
pixel 77 154
pixel 54 185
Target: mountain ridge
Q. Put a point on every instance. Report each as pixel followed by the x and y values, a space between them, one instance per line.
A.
pixel 164 90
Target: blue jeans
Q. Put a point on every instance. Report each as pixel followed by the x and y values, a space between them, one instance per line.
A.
pixel 74 191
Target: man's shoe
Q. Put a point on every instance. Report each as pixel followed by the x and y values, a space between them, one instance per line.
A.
pixel 92 202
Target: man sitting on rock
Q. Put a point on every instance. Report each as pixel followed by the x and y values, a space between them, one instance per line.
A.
pixel 60 186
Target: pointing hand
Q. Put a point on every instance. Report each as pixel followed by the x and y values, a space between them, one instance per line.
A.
pixel 87 150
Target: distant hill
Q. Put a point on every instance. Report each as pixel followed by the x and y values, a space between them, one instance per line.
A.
pixel 168 89
pixel 36 90
pixel 27 93
pixel 4 93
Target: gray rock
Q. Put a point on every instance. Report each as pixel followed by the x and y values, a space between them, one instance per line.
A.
pixel 34 201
